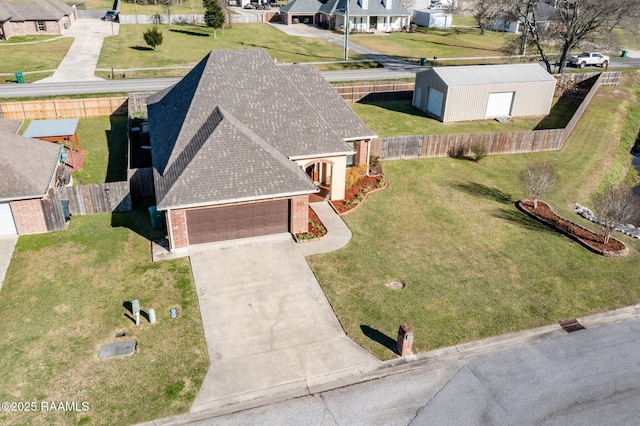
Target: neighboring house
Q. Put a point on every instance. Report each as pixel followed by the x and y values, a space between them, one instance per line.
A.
pixel 34 17
pixel 432 18
pixel 544 14
pixel 240 143
pixel 364 15
pixel 29 168
pixel 484 91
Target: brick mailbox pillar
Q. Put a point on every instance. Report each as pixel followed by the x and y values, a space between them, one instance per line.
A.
pixel 405 340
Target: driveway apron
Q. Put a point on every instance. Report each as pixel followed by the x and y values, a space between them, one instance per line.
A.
pixel 81 60
pixel 268 326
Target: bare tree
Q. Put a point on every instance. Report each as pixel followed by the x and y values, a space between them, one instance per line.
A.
pixel 454 7
pixel 574 23
pixel 616 206
pixel 168 5
pixel 538 180
pixel 484 12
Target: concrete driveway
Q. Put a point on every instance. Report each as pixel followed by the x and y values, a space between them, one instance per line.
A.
pixel 268 326
pixel 79 64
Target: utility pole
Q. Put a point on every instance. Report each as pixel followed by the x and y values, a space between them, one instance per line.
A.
pixel 346 32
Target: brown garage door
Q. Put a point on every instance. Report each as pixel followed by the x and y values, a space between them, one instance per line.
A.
pixel 232 222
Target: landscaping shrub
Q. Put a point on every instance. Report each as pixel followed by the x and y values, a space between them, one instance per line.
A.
pixel 353 174
pixel 459 150
pixel 479 151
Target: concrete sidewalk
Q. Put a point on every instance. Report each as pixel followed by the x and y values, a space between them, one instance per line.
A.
pixel 338 233
pixel 269 328
pixel 7 245
pixel 81 60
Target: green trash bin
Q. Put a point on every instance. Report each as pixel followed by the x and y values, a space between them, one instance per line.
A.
pixel 423 61
pixel 625 53
pixel 19 78
pixel 156 218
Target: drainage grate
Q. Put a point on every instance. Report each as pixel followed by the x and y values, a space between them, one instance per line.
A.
pixel 571 325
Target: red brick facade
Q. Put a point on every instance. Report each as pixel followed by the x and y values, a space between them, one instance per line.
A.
pixel 361 157
pixel 300 214
pixel 177 222
pixel 28 216
pixel 10 29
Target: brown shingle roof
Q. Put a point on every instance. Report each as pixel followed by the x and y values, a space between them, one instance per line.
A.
pixel 10 126
pixel 39 10
pixel 27 166
pixel 269 114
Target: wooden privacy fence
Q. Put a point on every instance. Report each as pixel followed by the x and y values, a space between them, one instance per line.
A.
pixel 374 91
pixel 63 108
pixel 427 146
pixel 53 215
pixel 600 80
pixel 141 182
pixel 108 197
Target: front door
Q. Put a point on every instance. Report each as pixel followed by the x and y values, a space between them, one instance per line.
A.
pixel 313 171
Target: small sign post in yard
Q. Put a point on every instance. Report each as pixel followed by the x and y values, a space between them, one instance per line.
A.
pixel 135 310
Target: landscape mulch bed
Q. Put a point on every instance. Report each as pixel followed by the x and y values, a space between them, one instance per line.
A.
pixel 318 230
pixel 352 193
pixel 592 241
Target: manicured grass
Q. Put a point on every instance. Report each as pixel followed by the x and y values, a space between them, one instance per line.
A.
pixel 129 8
pixel 105 141
pixel 33 57
pixel 400 118
pixel 473 265
pixel 188 44
pixel 63 297
pixel 442 43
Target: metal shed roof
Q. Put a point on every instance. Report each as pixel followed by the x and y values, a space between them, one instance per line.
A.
pixel 60 127
pixel 478 75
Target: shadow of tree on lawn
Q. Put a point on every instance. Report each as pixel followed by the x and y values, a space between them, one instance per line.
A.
pixel 140 48
pixel 519 218
pixel 483 191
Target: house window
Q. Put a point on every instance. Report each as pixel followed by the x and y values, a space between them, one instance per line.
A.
pixel 40 25
pixel 350 158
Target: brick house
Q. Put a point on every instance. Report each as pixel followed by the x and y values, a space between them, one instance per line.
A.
pixel 34 17
pixel 29 168
pixel 240 143
pixel 364 15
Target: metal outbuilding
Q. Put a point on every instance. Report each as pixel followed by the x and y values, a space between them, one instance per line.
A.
pixel 431 18
pixel 484 91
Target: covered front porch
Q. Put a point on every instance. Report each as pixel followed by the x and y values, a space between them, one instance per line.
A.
pixel 328 174
pixel 366 23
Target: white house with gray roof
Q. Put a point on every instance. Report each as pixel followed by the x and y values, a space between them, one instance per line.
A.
pixel 34 17
pixel 364 15
pixel 240 143
pixel 479 92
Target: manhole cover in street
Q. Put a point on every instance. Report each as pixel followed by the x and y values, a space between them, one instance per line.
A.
pixel 395 285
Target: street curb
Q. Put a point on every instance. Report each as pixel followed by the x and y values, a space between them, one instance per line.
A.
pixel 319 384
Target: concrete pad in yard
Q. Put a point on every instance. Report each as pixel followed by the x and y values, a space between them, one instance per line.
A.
pixel 267 322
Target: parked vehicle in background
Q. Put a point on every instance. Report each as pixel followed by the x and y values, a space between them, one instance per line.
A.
pixel 589 58
pixel 111 15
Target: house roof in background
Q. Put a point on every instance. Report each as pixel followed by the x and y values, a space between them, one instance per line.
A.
pixel 39 10
pixel 27 166
pixel 375 7
pixel 477 75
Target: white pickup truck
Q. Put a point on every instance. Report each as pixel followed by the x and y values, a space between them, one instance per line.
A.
pixel 589 58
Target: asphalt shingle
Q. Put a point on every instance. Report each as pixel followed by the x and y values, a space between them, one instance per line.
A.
pixel 27 166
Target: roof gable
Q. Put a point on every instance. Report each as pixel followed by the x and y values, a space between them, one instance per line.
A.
pixel 28 166
pixel 39 10
pixel 230 163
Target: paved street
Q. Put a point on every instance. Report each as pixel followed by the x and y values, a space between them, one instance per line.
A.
pixel 589 377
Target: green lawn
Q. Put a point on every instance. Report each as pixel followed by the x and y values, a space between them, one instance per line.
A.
pixel 400 118
pixel 442 43
pixel 188 44
pixel 33 57
pixel 63 297
pixel 105 141
pixel 473 265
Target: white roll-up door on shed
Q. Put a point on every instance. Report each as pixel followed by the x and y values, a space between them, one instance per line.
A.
pixel 499 104
pixel 7 224
pixel 434 102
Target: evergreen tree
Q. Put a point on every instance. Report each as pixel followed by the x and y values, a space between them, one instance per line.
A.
pixel 153 37
pixel 213 15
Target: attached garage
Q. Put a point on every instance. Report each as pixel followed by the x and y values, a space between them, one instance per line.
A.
pixel 238 221
pixel 484 91
pixel 7 223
